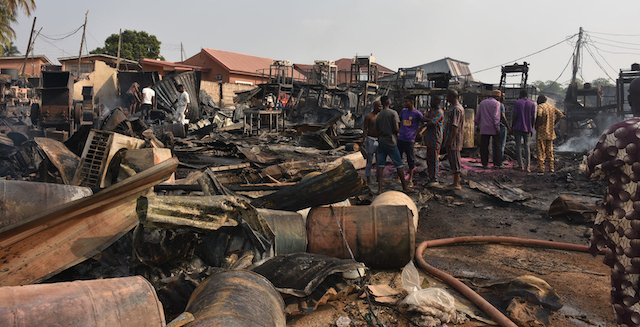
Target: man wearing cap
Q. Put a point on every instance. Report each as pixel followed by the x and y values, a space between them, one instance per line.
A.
pixel 488 122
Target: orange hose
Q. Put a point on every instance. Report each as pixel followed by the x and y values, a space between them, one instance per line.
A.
pixel 474 297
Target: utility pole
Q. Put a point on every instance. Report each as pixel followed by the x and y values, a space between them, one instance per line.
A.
pixel 84 30
pixel 181 52
pixel 576 57
pixel 26 56
pixel 33 72
pixel 119 46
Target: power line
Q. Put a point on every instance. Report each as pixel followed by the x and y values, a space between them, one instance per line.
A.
pixel 614 34
pixel 565 67
pixel 615 46
pixel 597 62
pixel 529 55
pixel 64 37
pixel 603 58
pixel 615 41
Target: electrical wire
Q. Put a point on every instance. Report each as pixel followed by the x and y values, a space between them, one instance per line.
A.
pixel 613 34
pixel 565 67
pixel 597 62
pixel 601 56
pixel 529 55
pixel 615 46
pixel 615 41
pixel 64 37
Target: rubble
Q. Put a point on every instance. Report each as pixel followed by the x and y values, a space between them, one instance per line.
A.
pixel 259 208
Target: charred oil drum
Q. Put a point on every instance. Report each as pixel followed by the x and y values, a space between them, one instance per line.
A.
pixel 289 229
pixel 398 199
pixel 20 200
pixel 381 236
pixel 469 134
pixel 129 301
pixel 236 298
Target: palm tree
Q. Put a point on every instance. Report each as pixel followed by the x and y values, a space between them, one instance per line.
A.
pixel 10 50
pixel 8 11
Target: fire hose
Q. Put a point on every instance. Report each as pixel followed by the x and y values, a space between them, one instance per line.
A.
pixel 474 297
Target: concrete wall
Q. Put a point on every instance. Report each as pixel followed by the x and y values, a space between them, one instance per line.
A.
pixel 103 79
pixel 228 91
pixel 33 65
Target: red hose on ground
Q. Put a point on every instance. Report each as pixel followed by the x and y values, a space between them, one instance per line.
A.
pixel 474 297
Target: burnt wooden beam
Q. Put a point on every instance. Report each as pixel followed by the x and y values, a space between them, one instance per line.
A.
pixel 332 186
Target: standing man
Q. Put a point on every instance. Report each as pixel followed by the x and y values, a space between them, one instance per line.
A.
pixel 148 101
pixel 183 105
pixel 615 160
pixel 371 137
pixel 388 125
pixel 488 121
pixel 524 115
pixel 454 131
pixel 133 97
pixel 433 138
pixel 547 116
pixel 410 119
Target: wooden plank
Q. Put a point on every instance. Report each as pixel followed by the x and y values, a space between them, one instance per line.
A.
pixel 67 235
pixel 232 167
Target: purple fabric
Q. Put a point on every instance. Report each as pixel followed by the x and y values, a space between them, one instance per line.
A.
pixel 488 116
pixel 524 112
pixel 409 124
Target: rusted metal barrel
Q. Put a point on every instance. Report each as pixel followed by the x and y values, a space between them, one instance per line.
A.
pixel 20 200
pixel 380 236
pixel 236 298
pixel 469 134
pixel 289 229
pixel 398 199
pixel 129 301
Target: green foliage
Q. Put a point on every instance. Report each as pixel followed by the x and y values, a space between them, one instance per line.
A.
pixel 550 86
pixel 601 81
pixel 135 46
pixel 8 11
pixel 10 50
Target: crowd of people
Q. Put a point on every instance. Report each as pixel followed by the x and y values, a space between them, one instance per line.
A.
pixel 389 133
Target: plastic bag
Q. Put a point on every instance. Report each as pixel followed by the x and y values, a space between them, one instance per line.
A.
pixel 410 278
pixel 435 304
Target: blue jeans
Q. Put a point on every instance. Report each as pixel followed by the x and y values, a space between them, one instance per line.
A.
pixel 391 151
pixel 371 145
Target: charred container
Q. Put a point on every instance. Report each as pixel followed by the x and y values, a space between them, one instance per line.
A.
pixel 238 298
pixel 129 301
pixel 381 236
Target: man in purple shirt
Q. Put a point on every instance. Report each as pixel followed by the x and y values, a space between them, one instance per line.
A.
pixel 410 119
pixel 488 122
pixel 524 115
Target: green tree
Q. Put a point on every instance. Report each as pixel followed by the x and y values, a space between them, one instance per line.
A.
pixel 549 86
pixel 10 50
pixel 8 11
pixel 601 81
pixel 135 46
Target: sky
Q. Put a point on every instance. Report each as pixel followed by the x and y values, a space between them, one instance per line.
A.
pixel 399 33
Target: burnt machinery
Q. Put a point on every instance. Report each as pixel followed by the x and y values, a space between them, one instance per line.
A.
pixel 364 80
pixel 56 110
pixel 622 89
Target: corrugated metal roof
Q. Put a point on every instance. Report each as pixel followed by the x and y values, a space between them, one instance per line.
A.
pixel 167 92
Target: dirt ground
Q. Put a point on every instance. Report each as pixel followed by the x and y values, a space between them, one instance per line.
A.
pixel 580 280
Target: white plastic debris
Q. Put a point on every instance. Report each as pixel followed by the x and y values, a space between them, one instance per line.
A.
pixel 343 322
pixel 435 304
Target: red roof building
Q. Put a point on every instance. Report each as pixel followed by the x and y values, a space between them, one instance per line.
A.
pixel 231 67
